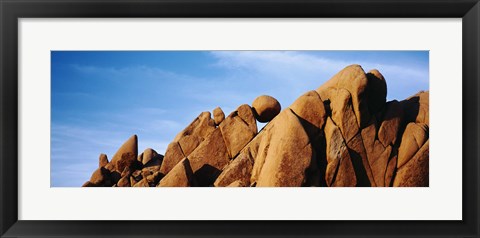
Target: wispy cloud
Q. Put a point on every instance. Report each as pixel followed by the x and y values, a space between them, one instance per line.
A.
pixel 298 69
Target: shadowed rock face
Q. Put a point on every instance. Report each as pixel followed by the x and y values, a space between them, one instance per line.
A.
pixel 343 134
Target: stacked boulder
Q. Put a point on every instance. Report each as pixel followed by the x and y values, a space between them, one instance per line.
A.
pixel 343 134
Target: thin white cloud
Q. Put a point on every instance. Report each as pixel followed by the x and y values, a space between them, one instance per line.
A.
pixel 295 63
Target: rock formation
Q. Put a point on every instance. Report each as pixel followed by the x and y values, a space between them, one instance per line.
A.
pixel 343 134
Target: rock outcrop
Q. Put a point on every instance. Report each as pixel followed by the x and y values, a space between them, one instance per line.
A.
pixel 266 108
pixel 343 134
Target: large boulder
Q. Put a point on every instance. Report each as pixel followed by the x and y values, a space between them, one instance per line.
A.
pixel 102 160
pixel 309 107
pixel 369 133
pixel 392 120
pixel 201 126
pixel 360 162
pixel 379 165
pixel 148 155
pixel 343 115
pixel 266 108
pixel 391 169
pixel 209 159
pixel 416 108
pixel 413 138
pixel 238 129
pixel 100 178
pixel 218 115
pixel 189 143
pixel 376 91
pixel 289 154
pixel 340 171
pixel 240 169
pixel 129 147
pixel 180 176
pixel 173 155
pixel 142 183
pixel 128 160
pixel 353 79
pixel 238 183
pixel 124 182
pixel 190 137
pixel 415 173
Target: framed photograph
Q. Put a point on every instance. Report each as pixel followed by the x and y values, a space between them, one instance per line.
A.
pixel 239 118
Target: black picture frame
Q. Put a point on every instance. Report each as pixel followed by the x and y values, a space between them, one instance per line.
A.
pixel 11 11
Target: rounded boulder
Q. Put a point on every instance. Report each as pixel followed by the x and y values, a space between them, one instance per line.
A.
pixel 265 108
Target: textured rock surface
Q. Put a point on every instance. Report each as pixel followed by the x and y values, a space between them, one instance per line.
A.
pixel 344 133
pixel 218 115
pixel 238 129
pixel 266 108
pixel 289 154
pixel 130 147
pixel 102 160
pixel 413 138
pixel 239 169
pixel 180 176
pixel 415 172
pixel 340 170
pixel 173 155
pixel 209 159
pixel 376 91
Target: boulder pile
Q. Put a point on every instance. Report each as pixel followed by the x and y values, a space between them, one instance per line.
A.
pixel 343 134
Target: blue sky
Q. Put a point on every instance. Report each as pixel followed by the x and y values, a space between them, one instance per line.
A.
pixel 101 98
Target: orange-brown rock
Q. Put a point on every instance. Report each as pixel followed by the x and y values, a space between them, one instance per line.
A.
pixel 153 165
pixel 310 108
pixel 289 154
pixel 173 155
pixel 218 115
pixel 209 159
pixel 88 184
pixel 131 147
pixel 413 138
pixel 340 170
pixel 142 183
pixel 126 172
pixel 148 155
pixel 416 108
pixel 343 115
pixel 137 175
pixel 238 129
pixel 388 132
pixel 124 182
pixel 423 115
pixel 154 178
pixel 238 183
pixel 353 79
pixel 379 166
pixel 201 127
pixel 369 133
pixel 266 108
pixel 391 169
pixel 415 172
pixel 132 181
pixel 102 160
pixel 128 160
pixel 180 176
pixel 376 91
pixel 240 169
pixel 360 163
pixel 100 177
pixel 189 143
